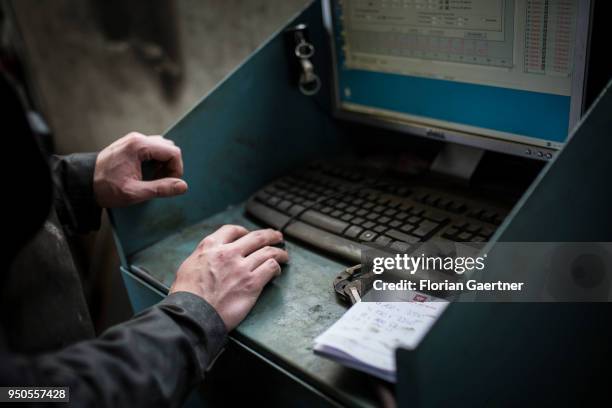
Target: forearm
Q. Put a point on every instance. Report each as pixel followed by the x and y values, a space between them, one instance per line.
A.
pixel 74 194
pixel 152 360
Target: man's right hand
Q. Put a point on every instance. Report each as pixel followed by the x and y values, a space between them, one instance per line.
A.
pixel 229 269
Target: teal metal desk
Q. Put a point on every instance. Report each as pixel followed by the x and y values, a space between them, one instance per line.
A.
pixel 293 309
pixel 256 126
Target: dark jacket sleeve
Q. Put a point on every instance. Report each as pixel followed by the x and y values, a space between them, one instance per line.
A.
pixel 74 198
pixel 152 360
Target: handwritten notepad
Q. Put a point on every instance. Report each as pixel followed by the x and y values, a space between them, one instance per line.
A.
pixel 367 335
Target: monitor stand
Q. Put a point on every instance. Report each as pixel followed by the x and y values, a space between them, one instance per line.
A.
pixel 457 161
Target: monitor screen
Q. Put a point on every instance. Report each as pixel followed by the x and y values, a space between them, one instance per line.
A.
pixel 501 74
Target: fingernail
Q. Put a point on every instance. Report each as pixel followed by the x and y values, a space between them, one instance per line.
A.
pixel 179 187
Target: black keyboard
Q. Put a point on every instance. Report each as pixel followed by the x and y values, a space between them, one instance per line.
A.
pixel 343 211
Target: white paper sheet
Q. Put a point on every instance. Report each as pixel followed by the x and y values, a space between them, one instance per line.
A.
pixel 367 335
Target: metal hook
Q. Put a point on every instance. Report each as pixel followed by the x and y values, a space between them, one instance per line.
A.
pixel 298 42
pixel 309 83
pixel 304 49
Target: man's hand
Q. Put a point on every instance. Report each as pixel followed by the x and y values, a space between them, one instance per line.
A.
pixel 229 269
pixel 118 173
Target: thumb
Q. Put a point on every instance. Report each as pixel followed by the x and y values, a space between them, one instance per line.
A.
pixel 164 187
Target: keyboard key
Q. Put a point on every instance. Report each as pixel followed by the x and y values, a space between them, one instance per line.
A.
pixel 353 231
pixel 456 207
pixel 414 220
pixel 336 214
pixel 383 200
pixel 362 213
pixel 382 240
pixel 498 219
pixel 487 232
pixel 435 216
pixel 326 210
pixel 450 233
pixel 488 216
pixel 380 229
pixel 390 212
pixel 473 228
pixel 394 203
pixel 464 236
pixel 367 236
pixel 368 224
pixel 358 220
pixel 400 236
pixel 407 227
pixel 284 205
pixel 395 224
pixel 460 224
pixel 296 209
pixel 384 219
pixel 400 246
pixel 351 209
pixel 346 217
pixel 372 216
pixel 417 211
pixel 425 229
pixel 323 221
pixel 401 216
pixel 432 200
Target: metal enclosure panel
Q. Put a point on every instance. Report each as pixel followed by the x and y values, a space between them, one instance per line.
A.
pixel 529 354
pixel 253 127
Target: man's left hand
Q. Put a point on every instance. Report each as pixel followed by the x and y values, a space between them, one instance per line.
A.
pixel 118 174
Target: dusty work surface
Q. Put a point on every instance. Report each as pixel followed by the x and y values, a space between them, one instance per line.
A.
pixel 293 309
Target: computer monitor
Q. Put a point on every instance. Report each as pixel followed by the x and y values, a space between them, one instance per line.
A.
pixel 502 75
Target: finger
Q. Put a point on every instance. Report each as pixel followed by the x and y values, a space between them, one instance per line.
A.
pixel 146 190
pixel 161 138
pixel 227 234
pixel 174 166
pixel 257 239
pixel 262 255
pixel 266 272
pixel 154 149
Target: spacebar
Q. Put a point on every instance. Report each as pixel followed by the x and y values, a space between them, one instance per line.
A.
pixel 307 233
pixel 323 221
pixel 326 241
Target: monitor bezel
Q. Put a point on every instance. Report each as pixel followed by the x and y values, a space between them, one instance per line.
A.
pixel 483 141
